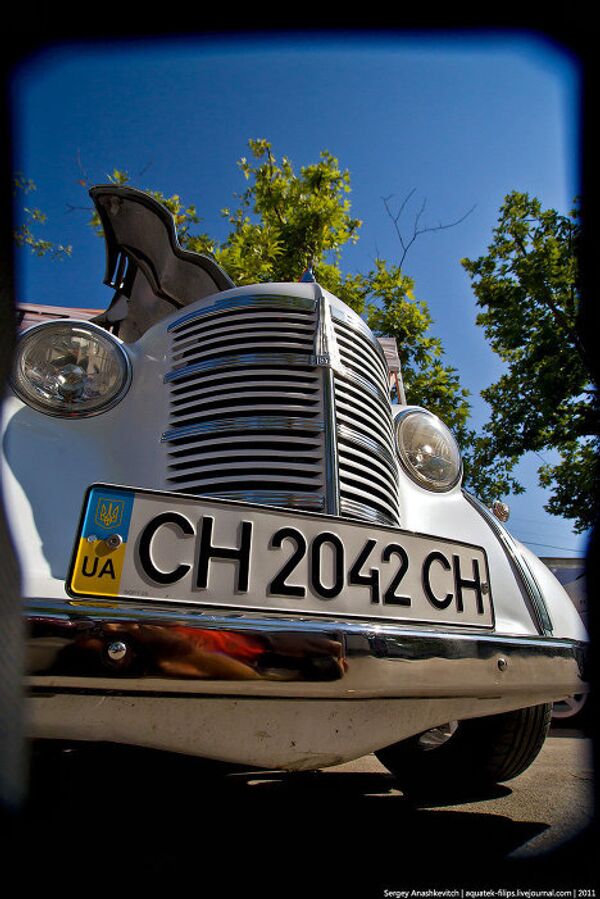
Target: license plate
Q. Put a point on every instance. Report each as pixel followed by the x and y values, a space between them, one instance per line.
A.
pixel 170 547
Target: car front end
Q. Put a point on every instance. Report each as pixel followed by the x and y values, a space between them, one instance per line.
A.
pixel 232 544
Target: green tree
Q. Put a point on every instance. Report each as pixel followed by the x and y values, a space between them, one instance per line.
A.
pixel 527 288
pixel 32 218
pixel 286 220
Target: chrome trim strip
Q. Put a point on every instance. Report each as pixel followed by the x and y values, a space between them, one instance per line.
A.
pixel 204 350
pixel 327 359
pixel 358 486
pixel 211 388
pixel 350 382
pixel 240 323
pixel 325 349
pixel 370 465
pixel 278 442
pixel 294 360
pixel 197 403
pixel 259 422
pixel 297 482
pixel 345 432
pixel 357 355
pixel 243 302
pixel 237 408
pixel 356 380
pixel 181 649
pixel 357 324
pixel 303 500
pixel 301 468
pixel 332 478
pixel 537 606
pixel 355 416
pixel 352 508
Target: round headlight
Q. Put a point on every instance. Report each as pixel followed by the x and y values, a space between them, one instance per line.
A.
pixel 69 368
pixel 427 450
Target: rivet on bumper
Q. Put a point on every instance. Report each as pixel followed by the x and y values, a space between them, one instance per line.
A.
pixel 117 650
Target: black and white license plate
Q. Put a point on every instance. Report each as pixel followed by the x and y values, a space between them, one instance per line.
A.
pixel 170 547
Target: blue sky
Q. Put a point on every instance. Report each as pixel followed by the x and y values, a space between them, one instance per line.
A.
pixel 461 120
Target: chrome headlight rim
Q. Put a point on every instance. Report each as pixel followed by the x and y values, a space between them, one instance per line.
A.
pixel 91 328
pixel 426 484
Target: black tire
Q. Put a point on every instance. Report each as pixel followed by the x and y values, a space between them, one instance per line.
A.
pixel 482 752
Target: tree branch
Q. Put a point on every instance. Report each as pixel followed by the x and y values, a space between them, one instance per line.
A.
pixel 405 243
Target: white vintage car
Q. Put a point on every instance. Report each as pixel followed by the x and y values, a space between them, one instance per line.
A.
pixel 233 545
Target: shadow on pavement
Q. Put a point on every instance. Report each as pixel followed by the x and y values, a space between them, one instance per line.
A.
pixel 141 816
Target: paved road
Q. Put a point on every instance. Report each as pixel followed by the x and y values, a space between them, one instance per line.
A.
pixel 549 804
pixel 346 831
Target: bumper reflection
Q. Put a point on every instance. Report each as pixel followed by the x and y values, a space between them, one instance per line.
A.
pixel 181 652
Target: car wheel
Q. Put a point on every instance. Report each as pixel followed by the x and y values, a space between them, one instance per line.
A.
pixel 571 712
pixel 469 756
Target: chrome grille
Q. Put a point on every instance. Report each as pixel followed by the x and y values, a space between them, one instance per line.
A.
pixel 367 468
pixel 281 401
pixel 246 415
pixel 362 355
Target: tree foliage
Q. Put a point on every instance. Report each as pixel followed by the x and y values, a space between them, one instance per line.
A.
pixel 25 235
pixel 285 221
pixel 527 288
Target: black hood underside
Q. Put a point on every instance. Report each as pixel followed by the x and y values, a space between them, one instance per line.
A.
pixel 146 266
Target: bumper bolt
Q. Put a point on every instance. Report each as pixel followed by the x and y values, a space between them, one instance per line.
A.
pixel 502 664
pixel 117 650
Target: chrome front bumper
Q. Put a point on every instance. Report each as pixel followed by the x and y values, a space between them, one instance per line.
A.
pixel 272 691
pixel 119 647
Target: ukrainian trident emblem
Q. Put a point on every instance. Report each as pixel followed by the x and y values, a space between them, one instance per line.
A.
pixel 109 512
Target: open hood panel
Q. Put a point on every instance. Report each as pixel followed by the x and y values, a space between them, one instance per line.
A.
pixel 145 264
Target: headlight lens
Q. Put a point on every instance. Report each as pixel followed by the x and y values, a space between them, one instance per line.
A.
pixel 70 368
pixel 427 450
